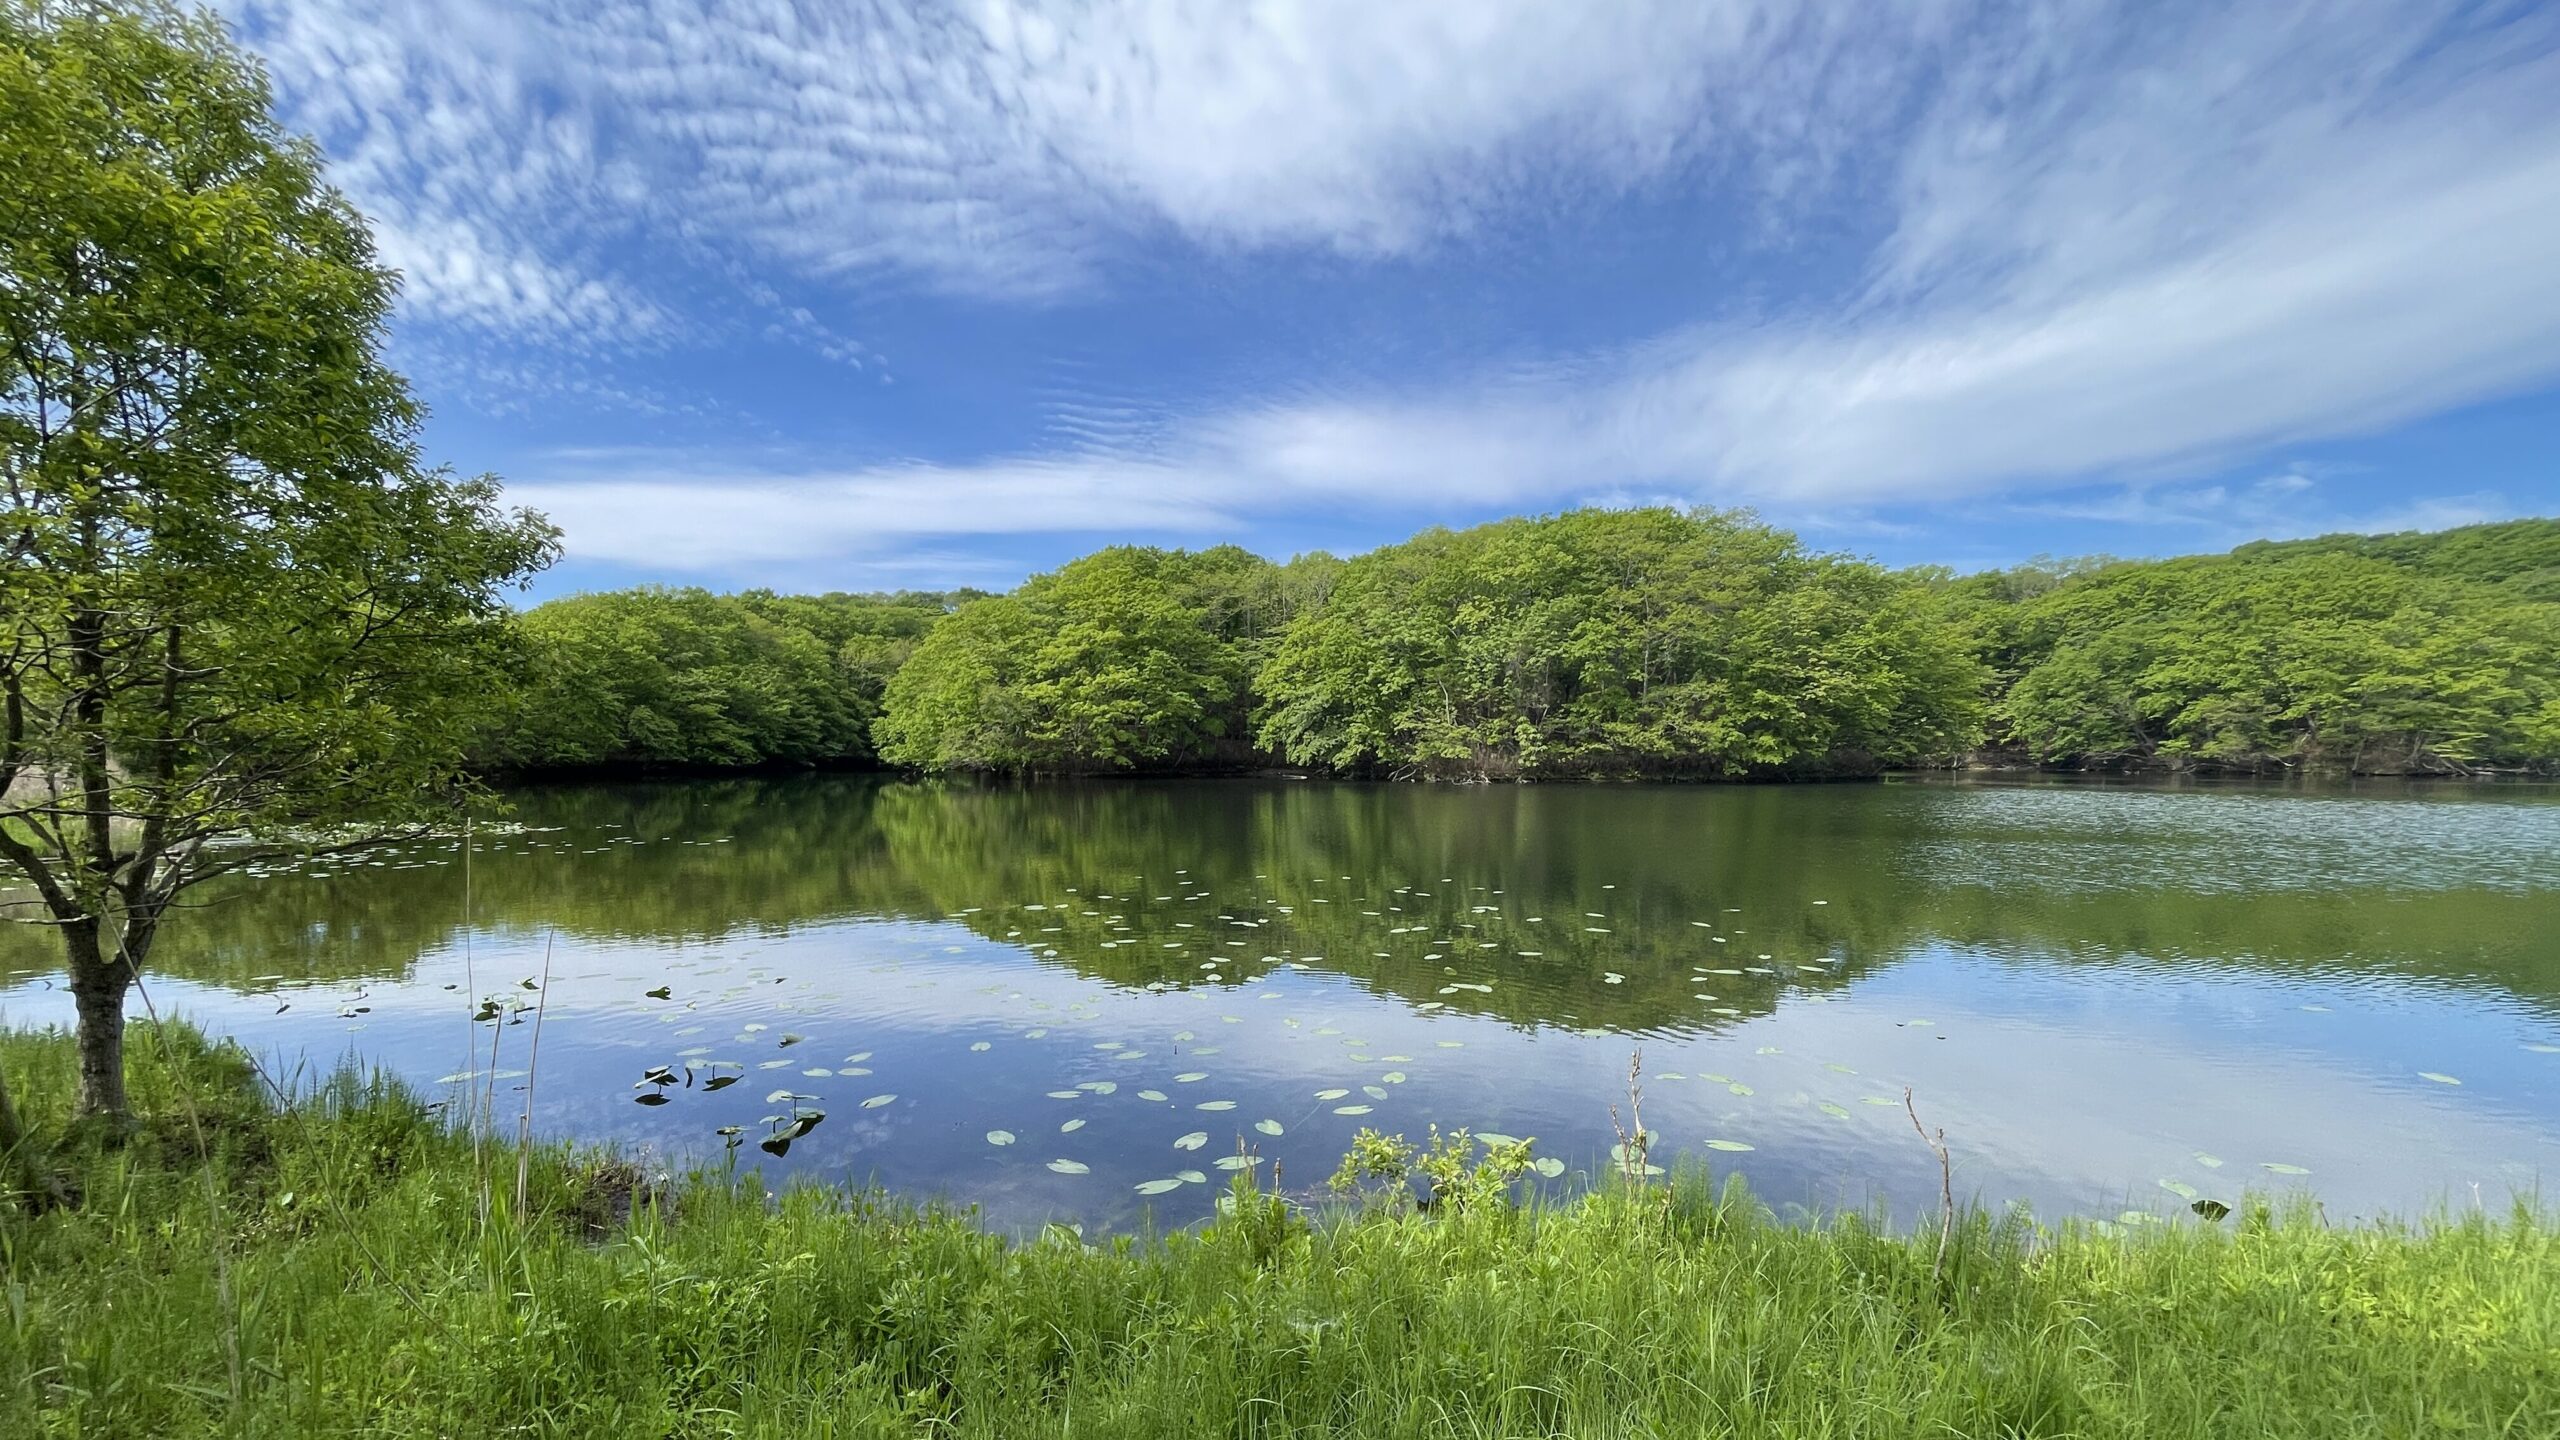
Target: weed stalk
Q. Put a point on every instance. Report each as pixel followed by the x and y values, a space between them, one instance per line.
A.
pixel 1937 1143
pixel 532 1077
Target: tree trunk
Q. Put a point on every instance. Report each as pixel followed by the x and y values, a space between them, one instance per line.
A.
pixel 98 985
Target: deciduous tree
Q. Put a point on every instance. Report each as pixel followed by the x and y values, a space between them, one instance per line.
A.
pixel 236 610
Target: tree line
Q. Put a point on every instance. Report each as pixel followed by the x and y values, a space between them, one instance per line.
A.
pixel 1587 645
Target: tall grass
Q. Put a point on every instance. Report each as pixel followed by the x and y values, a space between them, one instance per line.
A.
pixel 370 1302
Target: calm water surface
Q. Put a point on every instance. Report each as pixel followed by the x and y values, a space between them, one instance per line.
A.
pixel 2111 998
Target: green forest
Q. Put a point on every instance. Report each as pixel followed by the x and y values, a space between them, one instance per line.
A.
pixel 658 676
pixel 1593 644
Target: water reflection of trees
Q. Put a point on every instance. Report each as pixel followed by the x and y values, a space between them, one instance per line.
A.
pixel 1651 862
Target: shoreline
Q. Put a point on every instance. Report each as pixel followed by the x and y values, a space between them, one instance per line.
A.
pixel 352 1264
pixel 1986 770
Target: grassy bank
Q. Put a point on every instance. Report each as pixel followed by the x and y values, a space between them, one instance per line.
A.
pixel 336 1279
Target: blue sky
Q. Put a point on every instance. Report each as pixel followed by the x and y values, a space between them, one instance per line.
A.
pixel 850 295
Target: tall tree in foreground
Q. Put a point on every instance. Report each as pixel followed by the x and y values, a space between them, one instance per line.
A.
pixel 235 610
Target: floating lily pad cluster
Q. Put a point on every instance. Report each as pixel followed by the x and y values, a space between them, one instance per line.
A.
pixel 1253 954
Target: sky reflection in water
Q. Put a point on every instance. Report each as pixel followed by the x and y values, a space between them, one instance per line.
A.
pixel 2098 991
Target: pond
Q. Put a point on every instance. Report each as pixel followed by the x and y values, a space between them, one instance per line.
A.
pixel 1080 1002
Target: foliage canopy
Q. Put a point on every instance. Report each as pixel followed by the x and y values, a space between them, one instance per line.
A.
pixel 1129 657
pixel 2415 653
pixel 665 677
pixel 1604 642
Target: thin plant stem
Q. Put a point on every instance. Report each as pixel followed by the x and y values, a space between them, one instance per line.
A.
pixel 217 1242
pixel 532 1077
pixel 487 1105
pixel 470 1012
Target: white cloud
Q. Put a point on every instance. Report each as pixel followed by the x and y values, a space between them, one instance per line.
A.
pixel 1006 148
pixel 486 187
pixel 2244 274
pixel 647 511
pixel 2101 240
pixel 2284 505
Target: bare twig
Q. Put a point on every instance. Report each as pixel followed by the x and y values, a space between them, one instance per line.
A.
pixel 1632 1147
pixel 1937 1142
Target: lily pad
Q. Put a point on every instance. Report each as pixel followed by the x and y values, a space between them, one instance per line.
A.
pixel 1730 1146
pixel 1350 1109
pixel 2438 1077
pixel 1331 1094
pixel 2181 1189
pixel 1267 1127
pixel 999 1137
pixel 1072 1126
pixel 876 1101
pixel 1071 1167
pixel 1157 1187
pixel 1215 1105
pixel 2282 1169
pixel 1236 1162
pixel 1192 1141
pixel 1547 1165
